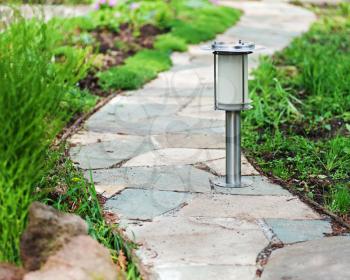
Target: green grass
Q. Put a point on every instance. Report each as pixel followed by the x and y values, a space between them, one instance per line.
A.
pixel 299 127
pixel 66 189
pixel 192 22
pixel 136 71
pixel 35 80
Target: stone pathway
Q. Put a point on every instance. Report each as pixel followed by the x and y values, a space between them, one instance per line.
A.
pixel 152 151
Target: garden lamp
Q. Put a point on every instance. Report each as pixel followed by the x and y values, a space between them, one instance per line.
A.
pixel 231 95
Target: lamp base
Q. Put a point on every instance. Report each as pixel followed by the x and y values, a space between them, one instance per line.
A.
pixel 220 182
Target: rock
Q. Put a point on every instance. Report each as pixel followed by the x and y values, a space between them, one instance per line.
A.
pixel 326 258
pixel 47 231
pixel 10 272
pixel 82 258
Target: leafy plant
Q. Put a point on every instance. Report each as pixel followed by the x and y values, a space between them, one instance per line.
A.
pixel 34 78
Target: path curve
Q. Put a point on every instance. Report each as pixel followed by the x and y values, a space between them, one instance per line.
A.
pixel 153 150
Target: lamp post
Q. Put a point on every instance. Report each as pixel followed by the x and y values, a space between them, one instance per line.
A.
pixel 231 95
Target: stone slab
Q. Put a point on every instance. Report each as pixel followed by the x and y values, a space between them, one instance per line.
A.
pixel 326 258
pixel 108 153
pixel 136 204
pixel 292 231
pixel 169 178
pixel 189 140
pixel 85 137
pixel 219 166
pixel 205 272
pixel 170 240
pixel 174 156
pixel 151 126
pixel 248 207
pixel 260 186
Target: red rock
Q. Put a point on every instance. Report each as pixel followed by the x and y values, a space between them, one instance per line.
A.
pixel 10 272
pixel 82 258
pixel 47 231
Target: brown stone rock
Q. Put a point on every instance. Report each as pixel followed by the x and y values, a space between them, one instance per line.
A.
pixel 47 231
pixel 10 272
pixel 82 258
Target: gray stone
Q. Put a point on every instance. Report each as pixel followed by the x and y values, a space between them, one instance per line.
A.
pixel 108 153
pixel 189 140
pixel 291 231
pixel 326 258
pixel 219 167
pixel 260 186
pixel 205 272
pixel 152 126
pixel 174 156
pixel 212 241
pixel 248 207
pixel 169 178
pixel 145 204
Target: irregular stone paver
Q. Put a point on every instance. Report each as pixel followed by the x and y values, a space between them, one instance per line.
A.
pixel 205 271
pixel 189 140
pixel 326 258
pixel 249 207
pixel 145 204
pixel 169 178
pixel 105 154
pixel 219 167
pixel 185 240
pixel 164 201
pixel 291 231
pixel 259 186
pixel 175 156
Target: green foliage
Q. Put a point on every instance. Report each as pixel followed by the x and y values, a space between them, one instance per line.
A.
pixel 199 24
pixel 169 42
pixel 137 70
pixel 299 126
pixel 69 192
pixel 34 78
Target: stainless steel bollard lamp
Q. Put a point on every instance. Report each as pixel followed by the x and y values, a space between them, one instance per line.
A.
pixel 231 95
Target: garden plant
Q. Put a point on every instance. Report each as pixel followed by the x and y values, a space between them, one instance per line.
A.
pixel 299 130
pixel 53 72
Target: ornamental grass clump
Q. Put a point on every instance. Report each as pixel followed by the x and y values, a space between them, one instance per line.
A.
pixel 35 79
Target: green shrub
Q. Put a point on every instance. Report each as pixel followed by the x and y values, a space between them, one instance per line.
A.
pixel 137 70
pixel 169 42
pixel 33 82
pixel 299 127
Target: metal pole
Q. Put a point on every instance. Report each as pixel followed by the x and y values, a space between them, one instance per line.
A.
pixel 233 148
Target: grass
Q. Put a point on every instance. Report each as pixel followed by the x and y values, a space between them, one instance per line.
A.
pixel 73 194
pixel 299 128
pixel 40 67
pixel 32 87
pixel 189 25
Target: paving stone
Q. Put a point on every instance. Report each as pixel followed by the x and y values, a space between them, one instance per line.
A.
pixel 173 240
pixel 219 166
pixel 189 140
pixel 205 272
pixel 85 137
pixel 174 156
pixel 291 231
pixel 260 186
pixel 326 258
pixel 170 178
pixel 145 204
pixel 106 154
pixel 151 126
pixel 248 207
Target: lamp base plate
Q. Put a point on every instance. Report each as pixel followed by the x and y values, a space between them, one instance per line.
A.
pixel 220 183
